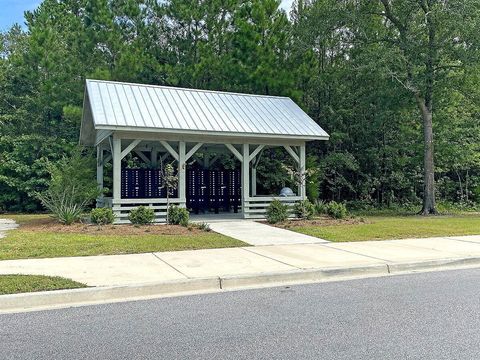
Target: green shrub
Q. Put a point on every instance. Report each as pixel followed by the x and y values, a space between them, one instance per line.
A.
pixel 337 210
pixel 178 215
pixel 102 216
pixel 141 215
pixel 71 188
pixel 320 207
pixel 204 226
pixel 277 212
pixel 304 209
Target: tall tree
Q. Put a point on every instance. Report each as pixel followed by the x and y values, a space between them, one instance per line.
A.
pixel 428 39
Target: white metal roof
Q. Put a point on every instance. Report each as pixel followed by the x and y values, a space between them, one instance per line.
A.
pixel 136 107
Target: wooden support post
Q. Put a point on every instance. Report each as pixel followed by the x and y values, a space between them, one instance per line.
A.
pixel 182 183
pixel 117 167
pixel 100 175
pixel 245 177
pixel 254 181
pixel 206 160
pixel 302 171
pixel 154 157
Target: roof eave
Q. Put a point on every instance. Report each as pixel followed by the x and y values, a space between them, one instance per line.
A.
pixel 214 133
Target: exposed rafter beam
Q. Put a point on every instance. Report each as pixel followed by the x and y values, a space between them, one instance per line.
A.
pixel 129 148
pixel 235 152
pixel 170 149
pixel 292 153
pixel 256 151
pixel 193 151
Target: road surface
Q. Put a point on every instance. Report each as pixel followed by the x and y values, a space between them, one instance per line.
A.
pixel 421 316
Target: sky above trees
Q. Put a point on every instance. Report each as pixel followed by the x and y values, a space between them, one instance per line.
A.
pixel 12 11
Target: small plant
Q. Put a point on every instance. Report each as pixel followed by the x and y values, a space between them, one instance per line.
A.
pixel 337 210
pixel 141 215
pixel 277 212
pixel 204 227
pixel 170 182
pixel 178 215
pixel 304 209
pixel 320 207
pixel 102 216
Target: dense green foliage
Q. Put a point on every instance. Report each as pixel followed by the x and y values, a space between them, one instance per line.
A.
pixel 71 189
pixel 102 216
pixel 336 210
pixel 178 215
pixel 141 215
pixel 304 210
pixel 277 212
pixel 364 70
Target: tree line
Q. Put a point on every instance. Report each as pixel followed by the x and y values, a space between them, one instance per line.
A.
pixel 396 83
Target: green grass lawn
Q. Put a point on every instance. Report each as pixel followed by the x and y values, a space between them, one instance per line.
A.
pixel 26 244
pixel 33 241
pixel 14 284
pixel 396 227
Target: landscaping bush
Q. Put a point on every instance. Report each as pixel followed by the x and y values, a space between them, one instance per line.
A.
pixel 304 210
pixel 337 210
pixel 71 188
pixel 141 215
pixel 102 216
pixel 320 207
pixel 178 215
pixel 204 227
pixel 277 212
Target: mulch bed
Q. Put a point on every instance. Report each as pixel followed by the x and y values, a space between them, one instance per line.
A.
pixel 51 225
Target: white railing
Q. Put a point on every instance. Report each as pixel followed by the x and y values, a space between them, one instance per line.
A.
pixel 121 208
pixel 256 207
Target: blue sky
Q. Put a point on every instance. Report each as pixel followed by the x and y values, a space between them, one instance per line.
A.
pixel 11 11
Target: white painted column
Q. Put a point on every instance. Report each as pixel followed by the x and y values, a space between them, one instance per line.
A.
pixel 245 177
pixel 254 180
pixel 154 157
pixel 100 175
pixel 117 168
pixel 182 177
pixel 301 169
pixel 206 160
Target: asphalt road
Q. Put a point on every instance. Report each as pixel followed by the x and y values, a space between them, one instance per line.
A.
pixel 420 316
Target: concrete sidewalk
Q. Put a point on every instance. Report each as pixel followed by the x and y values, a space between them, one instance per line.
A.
pixel 5 225
pixel 256 233
pixel 114 270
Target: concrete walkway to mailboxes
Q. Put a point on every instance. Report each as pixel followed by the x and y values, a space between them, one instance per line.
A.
pixel 251 262
pixel 258 234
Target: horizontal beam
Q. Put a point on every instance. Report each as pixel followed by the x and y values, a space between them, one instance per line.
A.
pixel 271 198
pixel 207 138
pixel 147 201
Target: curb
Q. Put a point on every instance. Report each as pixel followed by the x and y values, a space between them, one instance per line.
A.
pixel 94 295
pixel 109 294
